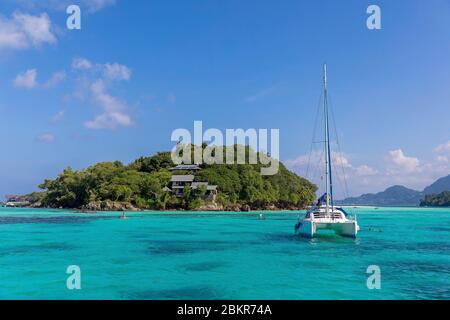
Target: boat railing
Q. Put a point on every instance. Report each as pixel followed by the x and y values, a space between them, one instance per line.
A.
pixel 324 215
pixel 320 215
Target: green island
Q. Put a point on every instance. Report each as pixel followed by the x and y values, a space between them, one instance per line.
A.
pixel 436 200
pixel 156 183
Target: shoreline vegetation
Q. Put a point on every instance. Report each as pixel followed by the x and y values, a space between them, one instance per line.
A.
pixel 148 184
pixel 436 200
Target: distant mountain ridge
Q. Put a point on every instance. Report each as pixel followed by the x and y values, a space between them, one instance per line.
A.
pixel 399 195
pixel 440 185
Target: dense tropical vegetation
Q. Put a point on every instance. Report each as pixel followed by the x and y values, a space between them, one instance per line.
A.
pixel 436 200
pixel 140 185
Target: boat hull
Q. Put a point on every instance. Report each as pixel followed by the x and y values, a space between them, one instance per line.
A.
pixel 309 228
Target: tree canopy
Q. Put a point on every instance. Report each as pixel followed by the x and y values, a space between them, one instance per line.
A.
pixel 436 200
pixel 142 184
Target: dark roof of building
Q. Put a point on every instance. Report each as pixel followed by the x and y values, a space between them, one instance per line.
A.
pixel 186 167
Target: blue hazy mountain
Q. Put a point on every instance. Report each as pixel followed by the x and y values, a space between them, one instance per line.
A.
pixel 393 196
pixel 399 195
pixel 441 185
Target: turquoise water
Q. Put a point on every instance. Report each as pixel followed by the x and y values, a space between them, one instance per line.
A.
pixel 221 256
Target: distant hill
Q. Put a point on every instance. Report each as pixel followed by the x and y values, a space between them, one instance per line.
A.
pixel 393 196
pixel 399 195
pixel 441 185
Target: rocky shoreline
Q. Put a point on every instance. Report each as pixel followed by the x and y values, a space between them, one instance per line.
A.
pixel 111 206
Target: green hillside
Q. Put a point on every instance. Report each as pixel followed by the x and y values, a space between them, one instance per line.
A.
pixel 436 200
pixel 145 183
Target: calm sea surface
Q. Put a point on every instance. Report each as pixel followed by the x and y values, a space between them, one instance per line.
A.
pixel 221 256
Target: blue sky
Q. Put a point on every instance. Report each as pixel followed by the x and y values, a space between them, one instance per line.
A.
pixel 137 70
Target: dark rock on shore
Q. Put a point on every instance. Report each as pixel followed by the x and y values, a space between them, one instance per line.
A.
pixel 109 206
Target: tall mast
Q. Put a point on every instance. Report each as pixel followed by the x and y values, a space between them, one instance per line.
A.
pixel 328 175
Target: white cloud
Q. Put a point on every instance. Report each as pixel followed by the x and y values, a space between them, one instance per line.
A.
pixel 312 166
pixel 365 170
pixel 411 172
pixel 26 80
pixel 23 31
pixel 96 80
pixel 441 159
pixel 402 162
pixel 443 147
pixel 56 78
pixel 398 169
pixel 58 116
pixel 317 158
pixel 341 160
pixel 96 5
pixel 300 162
pixel 114 111
pixel 81 64
pixel 61 5
pixel 357 178
pixel 108 71
pixel 116 71
pixel 46 137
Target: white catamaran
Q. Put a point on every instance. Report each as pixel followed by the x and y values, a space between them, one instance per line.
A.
pixel 324 215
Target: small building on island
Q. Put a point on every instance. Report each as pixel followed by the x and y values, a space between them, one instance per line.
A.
pixel 16 201
pixel 186 167
pixel 178 183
